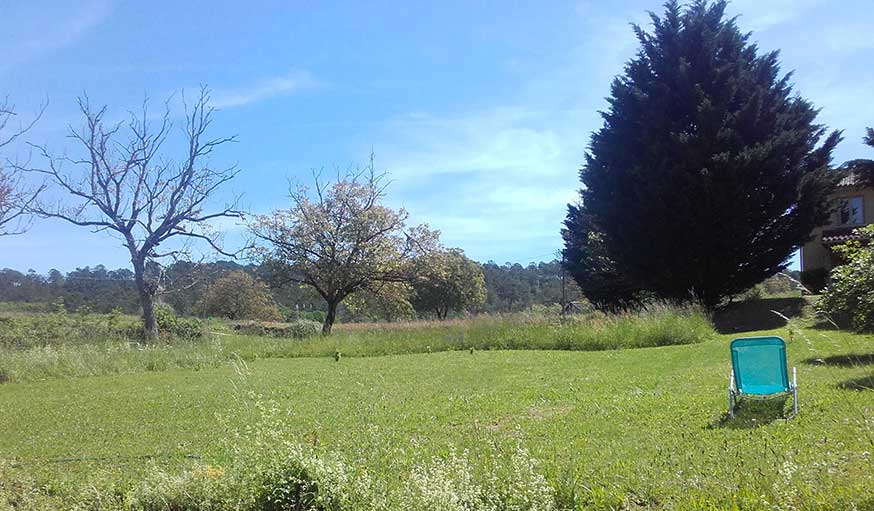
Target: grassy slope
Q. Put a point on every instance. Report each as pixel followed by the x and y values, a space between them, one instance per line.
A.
pixel 644 424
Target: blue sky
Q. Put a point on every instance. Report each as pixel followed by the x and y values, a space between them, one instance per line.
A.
pixel 481 111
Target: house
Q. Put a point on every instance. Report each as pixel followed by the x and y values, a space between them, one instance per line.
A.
pixel 854 207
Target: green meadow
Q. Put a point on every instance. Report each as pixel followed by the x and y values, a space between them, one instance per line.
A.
pixel 627 428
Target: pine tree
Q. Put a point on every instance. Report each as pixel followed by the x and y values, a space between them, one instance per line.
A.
pixel 862 168
pixel 706 174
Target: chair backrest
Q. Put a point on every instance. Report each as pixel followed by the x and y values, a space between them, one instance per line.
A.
pixel 759 365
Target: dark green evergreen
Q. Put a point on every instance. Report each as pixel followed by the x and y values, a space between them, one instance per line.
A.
pixel 707 173
pixel 863 168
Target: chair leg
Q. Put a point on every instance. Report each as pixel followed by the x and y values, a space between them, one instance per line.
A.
pixel 730 403
pixel 795 391
pixel 731 399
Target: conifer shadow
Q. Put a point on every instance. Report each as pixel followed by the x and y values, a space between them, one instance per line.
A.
pixel 858 384
pixel 845 360
pixel 758 314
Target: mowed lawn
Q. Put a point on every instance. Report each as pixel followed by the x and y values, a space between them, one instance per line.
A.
pixel 644 426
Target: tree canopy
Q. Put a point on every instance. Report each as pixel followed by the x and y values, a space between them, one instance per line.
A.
pixel 862 168
pixel 339 238
pixel 237 295
pixel 447 281
pixel 707 173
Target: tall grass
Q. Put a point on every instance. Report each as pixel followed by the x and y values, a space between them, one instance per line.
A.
pixel 85 346
pixel 660 327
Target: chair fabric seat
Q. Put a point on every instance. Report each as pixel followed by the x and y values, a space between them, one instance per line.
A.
pixel 759 370
pixel 760 365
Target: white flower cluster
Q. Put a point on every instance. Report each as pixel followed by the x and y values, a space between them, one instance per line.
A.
pixel 451 484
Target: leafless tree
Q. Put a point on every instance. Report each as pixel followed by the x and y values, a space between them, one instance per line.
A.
pixel 15 195
pixel 124 186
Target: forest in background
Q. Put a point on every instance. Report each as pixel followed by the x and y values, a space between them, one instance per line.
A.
pixel 510 287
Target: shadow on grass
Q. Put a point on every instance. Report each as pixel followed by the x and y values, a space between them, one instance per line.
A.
pixel 863 383
pixel 754 413
pixel 753 315
pixel 848 360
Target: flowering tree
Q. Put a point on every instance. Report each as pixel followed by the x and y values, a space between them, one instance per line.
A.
pixel 338 238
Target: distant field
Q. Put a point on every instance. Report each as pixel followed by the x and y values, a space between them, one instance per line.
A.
pixel 624 429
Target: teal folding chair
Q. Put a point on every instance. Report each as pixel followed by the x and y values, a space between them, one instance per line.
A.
pixel 758 371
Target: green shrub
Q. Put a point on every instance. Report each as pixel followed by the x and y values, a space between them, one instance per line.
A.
pixel 849 297
pixel 237 296
pixel 26 307
pixel 181 328
pixel 752 294
pixel 23 331
pixel 302 480
pixel 296 330
pixel 291 315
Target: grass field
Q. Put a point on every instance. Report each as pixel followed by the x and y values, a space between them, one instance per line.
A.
pixel 620 429
pixel 36 347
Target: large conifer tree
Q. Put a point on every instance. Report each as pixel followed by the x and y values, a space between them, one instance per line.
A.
pixel 706 174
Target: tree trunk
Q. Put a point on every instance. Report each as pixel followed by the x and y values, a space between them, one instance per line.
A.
pixel 330 317
pixel 147 301
pixel 150 323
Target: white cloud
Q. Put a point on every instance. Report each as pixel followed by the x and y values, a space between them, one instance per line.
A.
pixel 493 182
pixel 510 140
pixel 278 86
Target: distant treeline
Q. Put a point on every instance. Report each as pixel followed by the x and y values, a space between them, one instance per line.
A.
pixel 510 287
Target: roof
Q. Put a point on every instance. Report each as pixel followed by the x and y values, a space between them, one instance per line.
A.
pixel 837 235
pixel 851 179
pixel 858 173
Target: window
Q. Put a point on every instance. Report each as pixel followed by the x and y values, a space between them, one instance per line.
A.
pixel 850 211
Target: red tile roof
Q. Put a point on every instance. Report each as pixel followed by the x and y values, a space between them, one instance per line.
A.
pixel 841 235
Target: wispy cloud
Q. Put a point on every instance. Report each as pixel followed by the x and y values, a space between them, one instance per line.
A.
pixel 277 86
pixel 31 31
pixel 497 180
pixel 504 139
pixel 509 170
pixel 508 173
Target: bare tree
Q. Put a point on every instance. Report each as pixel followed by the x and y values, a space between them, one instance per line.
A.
pixel 339 238
pixel 122 185
pixel 15 195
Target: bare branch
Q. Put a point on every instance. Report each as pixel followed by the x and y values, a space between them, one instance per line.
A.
pixel 16 196
pixel 122 183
